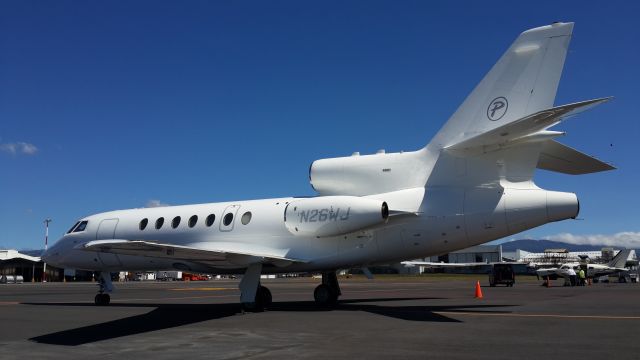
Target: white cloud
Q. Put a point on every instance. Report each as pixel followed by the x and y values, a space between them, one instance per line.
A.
pixel 18 148
pixel 27 148
pixel 627 239
pixel 8 148
pixel 155 203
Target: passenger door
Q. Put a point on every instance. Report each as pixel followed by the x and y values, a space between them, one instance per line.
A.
pixel 228 217
pixel 106 231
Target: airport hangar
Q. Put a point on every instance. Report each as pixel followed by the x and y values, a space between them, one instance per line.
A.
pixel 29 268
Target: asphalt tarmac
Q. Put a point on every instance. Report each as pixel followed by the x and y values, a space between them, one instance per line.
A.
pixel 384 318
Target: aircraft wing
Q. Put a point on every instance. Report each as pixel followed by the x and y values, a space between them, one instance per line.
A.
pixel 222 252
pixel 551 272
pixel 527 128
pixel 438 265
pixel 561 158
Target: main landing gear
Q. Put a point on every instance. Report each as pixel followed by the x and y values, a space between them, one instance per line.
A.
pixel 327 293
pixel 105 287
pixel 256 298
pixel 253 296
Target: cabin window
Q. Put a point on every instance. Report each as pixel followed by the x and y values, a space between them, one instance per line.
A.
pixel 175 222
pixel 227 219
pixel 246 217
pixel 210 219
pixel 81 226
pixel 143 223
pixel 193 221
pixel 159 222
pixel 73 227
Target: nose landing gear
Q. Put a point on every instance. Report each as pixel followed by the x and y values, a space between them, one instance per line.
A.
pixel 102 299
pixel 105 287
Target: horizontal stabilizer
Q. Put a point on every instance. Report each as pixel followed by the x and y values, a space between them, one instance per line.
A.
pixel 153 249
pixel 520 129
pixel 563 159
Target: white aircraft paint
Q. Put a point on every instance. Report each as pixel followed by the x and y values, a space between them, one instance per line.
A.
pixel 471 184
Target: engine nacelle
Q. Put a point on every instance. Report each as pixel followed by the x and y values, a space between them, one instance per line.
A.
pixel 333 215
pixel 528 208
pixel 368 174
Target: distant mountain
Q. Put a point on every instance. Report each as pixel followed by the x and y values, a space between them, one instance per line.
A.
pixel 539 246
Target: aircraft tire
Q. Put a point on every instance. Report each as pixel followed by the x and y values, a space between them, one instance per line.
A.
pixel 263 297
pixel 102 299
pixel 263 301
pixel 324 295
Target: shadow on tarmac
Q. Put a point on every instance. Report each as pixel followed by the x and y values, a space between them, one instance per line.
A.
pixel 165 316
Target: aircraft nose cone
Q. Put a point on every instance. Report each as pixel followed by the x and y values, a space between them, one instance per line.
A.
pixel 51 255
pixel 47 256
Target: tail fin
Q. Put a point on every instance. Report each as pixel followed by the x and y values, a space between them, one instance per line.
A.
pixel 620 260
pixel 522 82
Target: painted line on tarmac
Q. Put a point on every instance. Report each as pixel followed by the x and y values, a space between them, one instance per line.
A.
pixel 557 316
pixel 9 303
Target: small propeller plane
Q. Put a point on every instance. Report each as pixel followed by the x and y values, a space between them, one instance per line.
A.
pixel 472 183
pixel 616 265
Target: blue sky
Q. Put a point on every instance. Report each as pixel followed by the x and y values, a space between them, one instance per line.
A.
pixel 112 105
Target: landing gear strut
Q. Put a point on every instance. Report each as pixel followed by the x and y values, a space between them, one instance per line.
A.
pixel 253 296
pixel 105 287
pixel 327 293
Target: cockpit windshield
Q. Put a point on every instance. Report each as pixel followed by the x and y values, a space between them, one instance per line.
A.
pixel 81 227
pixel 78 227
pixel 73 227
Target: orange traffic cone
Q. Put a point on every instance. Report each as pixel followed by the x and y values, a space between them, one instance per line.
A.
pixel 478 291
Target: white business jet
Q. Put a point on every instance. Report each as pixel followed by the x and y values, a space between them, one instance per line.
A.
pixel 471 184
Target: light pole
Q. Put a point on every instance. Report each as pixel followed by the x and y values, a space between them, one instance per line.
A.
pixel 46 243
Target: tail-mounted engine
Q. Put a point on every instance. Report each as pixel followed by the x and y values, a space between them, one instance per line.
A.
pixel 333 215
pixel 368 174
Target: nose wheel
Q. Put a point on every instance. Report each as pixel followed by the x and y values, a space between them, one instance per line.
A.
pixel 102 299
